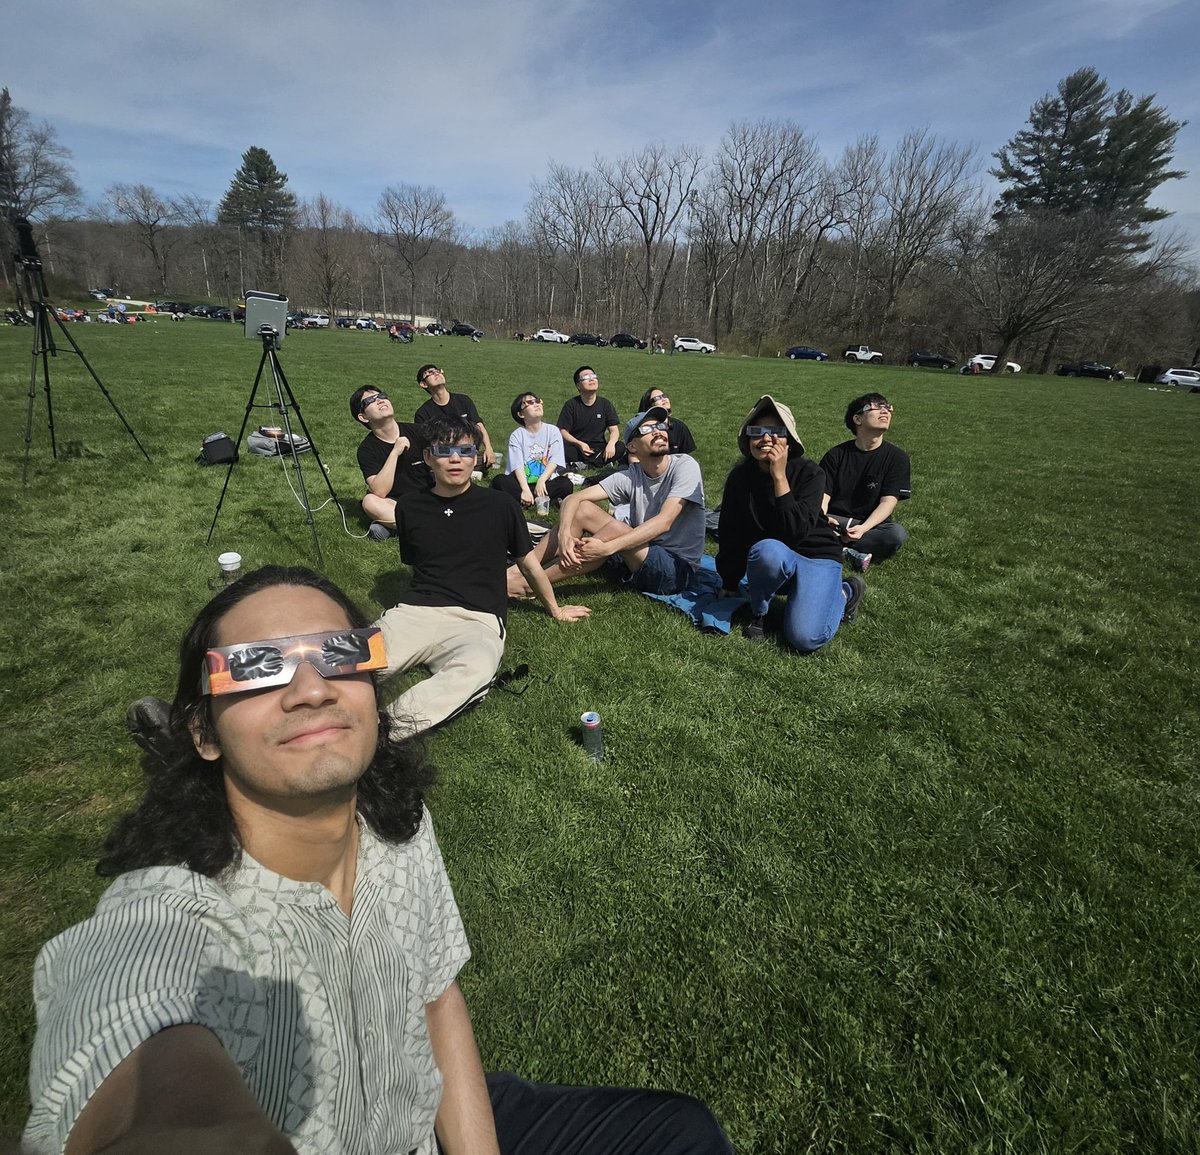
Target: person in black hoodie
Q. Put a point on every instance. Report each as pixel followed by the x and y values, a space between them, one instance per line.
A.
pixel 774 537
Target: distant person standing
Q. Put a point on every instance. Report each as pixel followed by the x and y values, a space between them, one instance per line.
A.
pixel 865 479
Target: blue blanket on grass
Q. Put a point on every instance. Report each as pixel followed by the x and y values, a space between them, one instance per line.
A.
pixel 702 600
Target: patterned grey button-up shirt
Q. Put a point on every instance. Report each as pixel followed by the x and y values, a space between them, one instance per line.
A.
pixel 323 1014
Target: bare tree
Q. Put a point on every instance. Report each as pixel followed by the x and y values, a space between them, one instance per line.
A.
pixel 570 208
pixel 1032 273
pixel 151 217
pixel 925 188
pixel 324 249
pixel 416 218
pixel 195 212
pixel 652 188
pixel 859 173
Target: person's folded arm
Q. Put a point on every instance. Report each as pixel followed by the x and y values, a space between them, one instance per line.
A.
pixel 592 548
pixel 879 515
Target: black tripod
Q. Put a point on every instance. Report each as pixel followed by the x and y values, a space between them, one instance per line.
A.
pixel 29 267
pixel 281 401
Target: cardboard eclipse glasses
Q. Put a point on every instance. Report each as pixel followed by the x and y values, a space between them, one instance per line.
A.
pixel 273 662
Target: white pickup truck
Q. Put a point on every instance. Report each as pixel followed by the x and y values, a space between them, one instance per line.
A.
pixel 863 355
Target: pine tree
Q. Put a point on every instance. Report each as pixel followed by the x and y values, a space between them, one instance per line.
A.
pixel 1087 150
pixel 258 202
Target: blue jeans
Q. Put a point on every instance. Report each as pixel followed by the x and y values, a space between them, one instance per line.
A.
pixel 661 573
pixel 812 586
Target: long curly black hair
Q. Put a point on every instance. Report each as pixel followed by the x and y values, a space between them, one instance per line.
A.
pixel 184 816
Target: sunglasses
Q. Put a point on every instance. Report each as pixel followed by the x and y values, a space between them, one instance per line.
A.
pixel 440 449
pixel 661 397
pixel 429 373
pixel 586 377
pixel 366 402
pixel 651 426
pixel 527 402
pixel 765 431
pixel 257 665
pixel 883 406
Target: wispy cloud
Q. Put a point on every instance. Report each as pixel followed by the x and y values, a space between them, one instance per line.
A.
pixel 476 98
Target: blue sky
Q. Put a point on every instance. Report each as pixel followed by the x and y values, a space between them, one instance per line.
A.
pixel 477 98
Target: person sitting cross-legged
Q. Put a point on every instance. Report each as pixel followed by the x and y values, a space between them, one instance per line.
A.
pixel 865 479
pixel 535 458
pixel 457 537
pixel 589 426
pixel 442 404
pixel 774 537
pixel 390 457
pixel 659 549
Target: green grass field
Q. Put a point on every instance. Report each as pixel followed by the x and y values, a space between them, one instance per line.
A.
pixel 934 889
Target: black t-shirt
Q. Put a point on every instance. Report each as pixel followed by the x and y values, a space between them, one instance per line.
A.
pixel 412 474
pixel 856 479
pixel 459 547
pixel 457 405
pixel 679 437
pixel 588 423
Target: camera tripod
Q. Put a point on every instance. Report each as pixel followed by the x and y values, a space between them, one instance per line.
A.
pixel 281 401
pixel 29 268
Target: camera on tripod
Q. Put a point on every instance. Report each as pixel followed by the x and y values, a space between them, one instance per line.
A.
pixel 266 316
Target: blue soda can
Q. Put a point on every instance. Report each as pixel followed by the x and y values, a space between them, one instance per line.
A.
pixel 593 735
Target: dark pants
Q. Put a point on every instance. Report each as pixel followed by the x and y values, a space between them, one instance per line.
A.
pixel 881 542
pixel 544 1119
pixel 556 488
pixel 596 460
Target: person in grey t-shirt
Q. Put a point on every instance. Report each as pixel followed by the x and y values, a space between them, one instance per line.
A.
pixel 659 550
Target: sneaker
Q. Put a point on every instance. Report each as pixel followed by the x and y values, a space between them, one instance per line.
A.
pixel 858 588
pixel 753 630
pixel 378 531
pixel 856 559
pixel 149 723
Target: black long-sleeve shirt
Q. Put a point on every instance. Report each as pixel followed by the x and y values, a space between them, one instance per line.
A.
pixel 750 512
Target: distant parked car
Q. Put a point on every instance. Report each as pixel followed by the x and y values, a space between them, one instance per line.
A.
pixel 462 329
pixel 692 345
pixel 1089 369
pixel 100 294
pixel 436 329
pixel 1179 377
pixel 201 310
pixel 626 341
pixel 862 355
pixel 368 323
pixel 586 339
pixel 219 314
pixel 925 360
pixel 806 353
pixel 551 335
pixel 985 361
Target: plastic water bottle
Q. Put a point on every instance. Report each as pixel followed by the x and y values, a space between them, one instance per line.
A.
pixel 593 735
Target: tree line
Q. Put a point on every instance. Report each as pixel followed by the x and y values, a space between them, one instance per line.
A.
pixel 763 244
